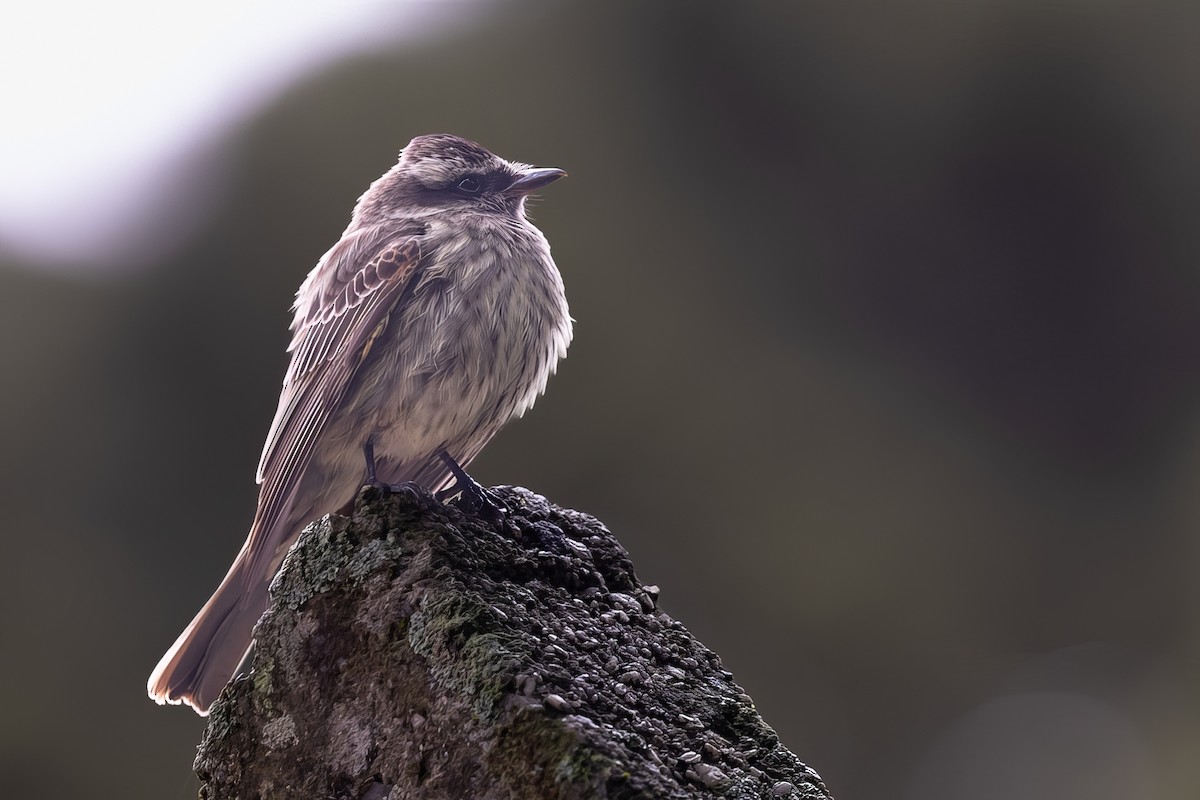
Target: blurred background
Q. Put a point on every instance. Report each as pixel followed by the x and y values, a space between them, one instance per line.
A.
pixel 885 367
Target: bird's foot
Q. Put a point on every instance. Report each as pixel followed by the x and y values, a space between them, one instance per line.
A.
pixel 472 496
pixel 413 490
pixel 476 499
pixel 410 489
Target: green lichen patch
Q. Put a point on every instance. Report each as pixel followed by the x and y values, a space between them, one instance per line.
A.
pixel 467 649
pixel 546 758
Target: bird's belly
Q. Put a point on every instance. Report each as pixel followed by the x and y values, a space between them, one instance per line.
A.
pixel 447 378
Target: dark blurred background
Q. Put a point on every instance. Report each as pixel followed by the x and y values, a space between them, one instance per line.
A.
pixel 885 367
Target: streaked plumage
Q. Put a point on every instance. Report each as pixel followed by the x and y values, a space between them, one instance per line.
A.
pixel 436 318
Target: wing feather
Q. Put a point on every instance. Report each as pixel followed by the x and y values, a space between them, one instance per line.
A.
pixel 339 310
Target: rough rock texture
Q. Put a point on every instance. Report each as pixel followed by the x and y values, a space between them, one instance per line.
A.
pixel 412 650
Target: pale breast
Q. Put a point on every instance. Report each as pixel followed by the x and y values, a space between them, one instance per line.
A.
pixel 474 346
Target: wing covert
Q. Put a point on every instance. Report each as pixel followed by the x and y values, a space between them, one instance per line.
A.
pixel 339 309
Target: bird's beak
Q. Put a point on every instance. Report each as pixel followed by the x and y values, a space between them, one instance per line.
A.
pixel 531 179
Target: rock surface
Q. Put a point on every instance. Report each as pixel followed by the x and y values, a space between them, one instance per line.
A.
pixel 413 650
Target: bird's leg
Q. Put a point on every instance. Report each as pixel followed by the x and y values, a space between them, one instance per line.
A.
pixel 410 488
pixel 474 497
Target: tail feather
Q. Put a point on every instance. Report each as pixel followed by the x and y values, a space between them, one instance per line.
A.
pixel 206 655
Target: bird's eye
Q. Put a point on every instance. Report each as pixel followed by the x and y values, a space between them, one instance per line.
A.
pixel 470 185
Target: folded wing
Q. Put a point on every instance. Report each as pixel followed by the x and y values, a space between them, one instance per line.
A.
pixel 343 305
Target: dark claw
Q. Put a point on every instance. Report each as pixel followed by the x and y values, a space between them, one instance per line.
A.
pixel 482 502
pixel 410 488
pixel 472 496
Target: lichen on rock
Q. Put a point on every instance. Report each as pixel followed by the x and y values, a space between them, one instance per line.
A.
pixel 412 650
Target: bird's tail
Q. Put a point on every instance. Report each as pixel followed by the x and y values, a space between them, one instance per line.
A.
pixel 206 655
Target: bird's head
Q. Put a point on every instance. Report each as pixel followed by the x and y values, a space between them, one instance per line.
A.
pixel 441 172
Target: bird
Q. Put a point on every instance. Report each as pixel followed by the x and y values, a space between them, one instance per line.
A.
pixel 437 317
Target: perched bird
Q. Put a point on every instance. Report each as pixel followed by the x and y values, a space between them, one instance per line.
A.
pixel 436 318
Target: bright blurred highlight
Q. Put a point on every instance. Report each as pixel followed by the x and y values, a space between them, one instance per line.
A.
pixel 109 104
